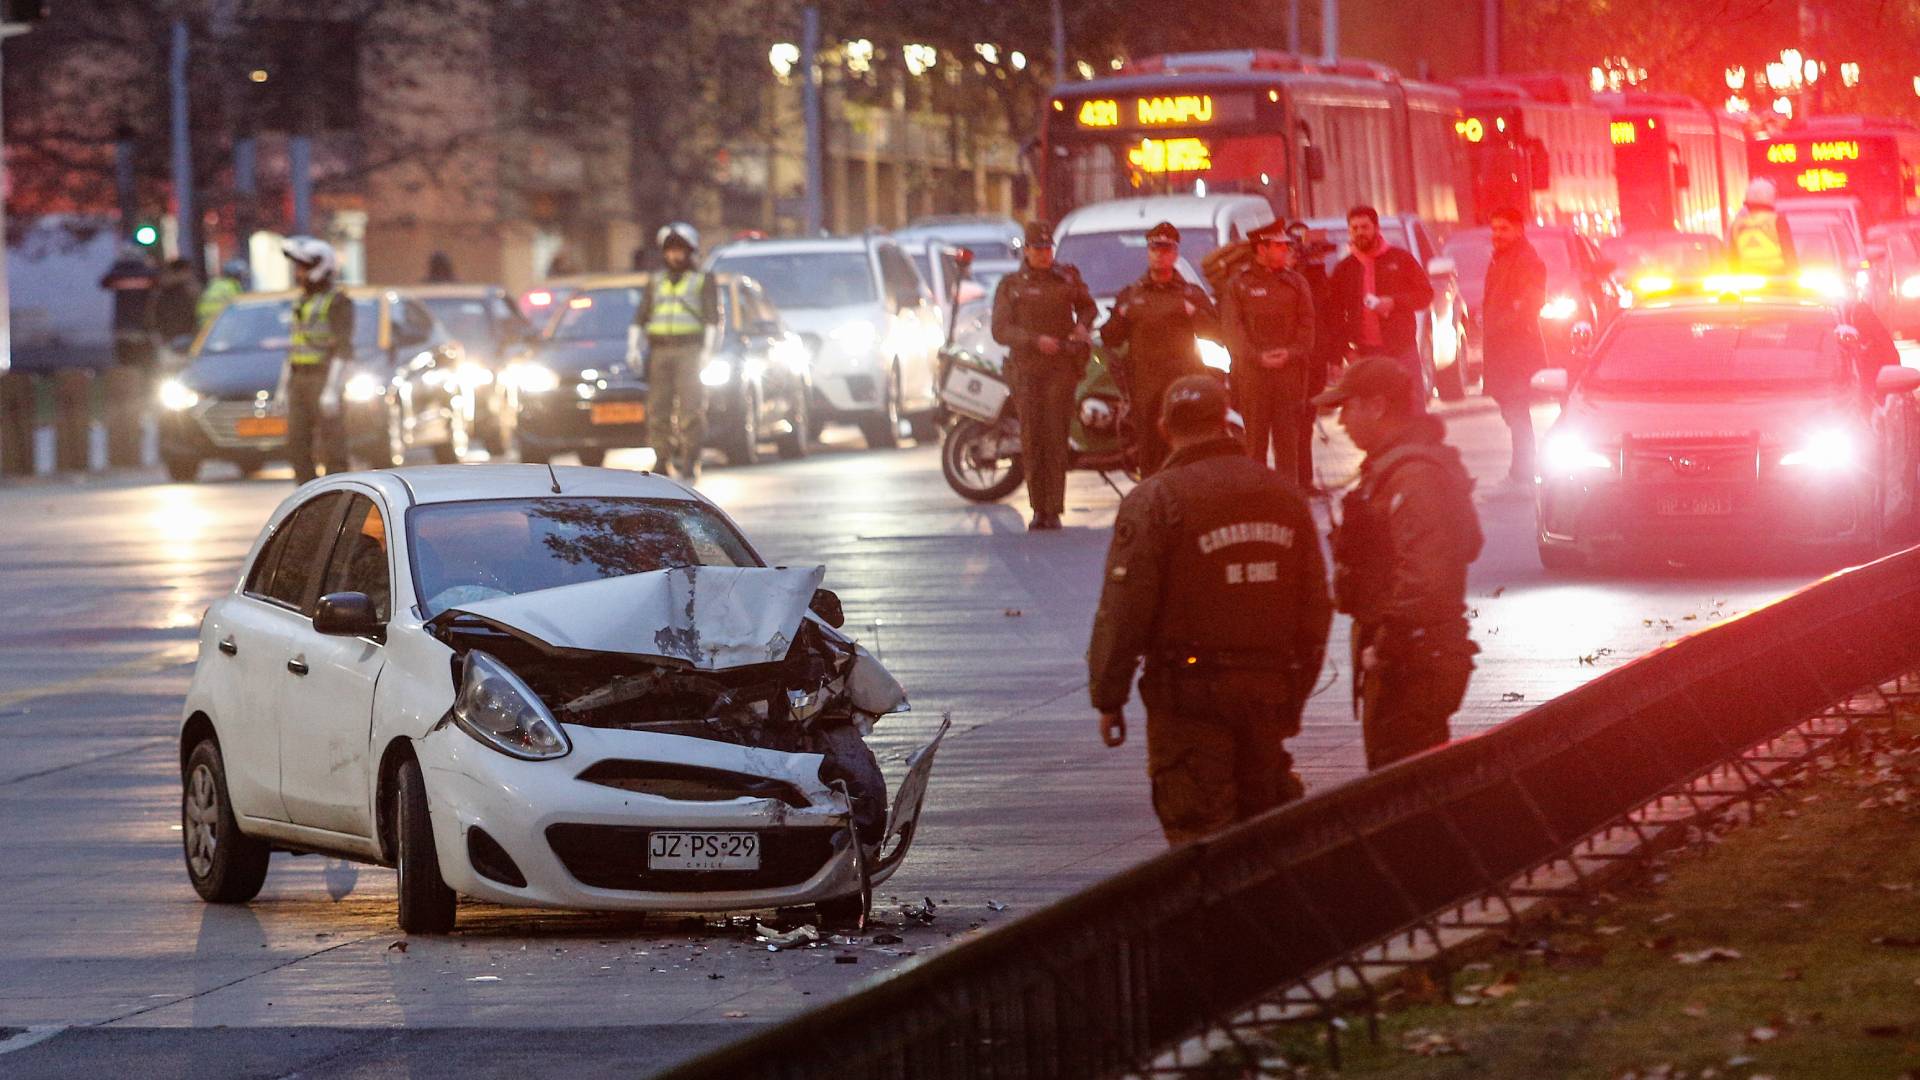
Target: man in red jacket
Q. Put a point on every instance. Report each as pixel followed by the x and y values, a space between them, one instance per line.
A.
pixel 1378 291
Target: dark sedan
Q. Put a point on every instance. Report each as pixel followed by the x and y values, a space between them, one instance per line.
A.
pixel 490 330
pixel 401 391
pixel 1580 285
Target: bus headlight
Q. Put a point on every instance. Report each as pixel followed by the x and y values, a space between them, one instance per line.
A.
pixel 1215 355
pixel 175 397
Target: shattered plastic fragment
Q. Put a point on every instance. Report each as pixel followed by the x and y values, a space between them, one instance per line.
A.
pixel 922 913
pixel 995 905
pixel 798 937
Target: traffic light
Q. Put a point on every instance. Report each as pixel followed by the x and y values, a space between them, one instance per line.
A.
pixel 146 234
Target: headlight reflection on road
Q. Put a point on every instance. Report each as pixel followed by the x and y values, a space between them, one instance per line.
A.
pixel 179 527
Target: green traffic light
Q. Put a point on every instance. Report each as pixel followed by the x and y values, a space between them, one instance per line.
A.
pixel 146 235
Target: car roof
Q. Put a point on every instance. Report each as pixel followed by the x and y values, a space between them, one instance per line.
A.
pixel 354 292
pixel 428 484
pixel 794 245
pixel 1184 211
pixel 456 290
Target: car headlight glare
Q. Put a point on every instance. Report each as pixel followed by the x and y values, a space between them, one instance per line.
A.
pixel 1215 355
pixel 857 335
pixel 1560 309
pixel 1910 288
pixel 1824 282
pixel 472 376
pixel 363 387
pixel 175 397
pixel 716 373
pixel 533 378
pixel 498 709
pixel 1569 454
pixel 792 354
pixel 1826 451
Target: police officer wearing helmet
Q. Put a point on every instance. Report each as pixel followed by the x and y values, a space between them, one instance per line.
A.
pixel 1215 579
pixel 1156 326
pixel 318 349
pixel 229 283
pixel 678 311
pixel 1406 536
pixel 1044 315
pixel 1267 317
pixel 1760 240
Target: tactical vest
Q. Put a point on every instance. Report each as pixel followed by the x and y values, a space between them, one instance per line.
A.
pixel 1756 245
pixel 215 298
pixel 1362 542
pixel 676 306
pixel 312 341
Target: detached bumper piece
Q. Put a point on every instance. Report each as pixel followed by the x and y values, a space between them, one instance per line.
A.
pixel 615 857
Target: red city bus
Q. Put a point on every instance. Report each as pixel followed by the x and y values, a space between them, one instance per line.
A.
pixel 1680 165
pixel 1537 142
pixel 1312 138
pixel 1874 160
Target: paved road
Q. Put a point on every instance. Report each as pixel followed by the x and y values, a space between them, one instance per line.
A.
pixel 109 955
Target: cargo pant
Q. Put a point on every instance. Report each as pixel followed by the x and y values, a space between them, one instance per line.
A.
pixel 1216 750
pixel 676 404
pixel 1043 397
pixel 1403 706
pixel 1271 411
pixel 312 436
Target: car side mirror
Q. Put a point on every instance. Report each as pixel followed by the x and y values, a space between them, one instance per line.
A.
pixel 1550 381
pixel 1441 266
pixel 1893 380
pixel 347 614
pixel 826 604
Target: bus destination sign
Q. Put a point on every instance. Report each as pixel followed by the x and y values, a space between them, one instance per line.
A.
pixel 1145 111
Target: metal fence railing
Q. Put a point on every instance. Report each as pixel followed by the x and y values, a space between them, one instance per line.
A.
pixel 1099 982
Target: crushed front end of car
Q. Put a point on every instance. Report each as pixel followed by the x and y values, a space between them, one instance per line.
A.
pixel 684 739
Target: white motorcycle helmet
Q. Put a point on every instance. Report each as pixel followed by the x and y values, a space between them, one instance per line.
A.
pixel 316 256
pixel 679 230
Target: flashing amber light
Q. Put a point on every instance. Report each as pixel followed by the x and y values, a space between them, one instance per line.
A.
pixel 1171 156
pixel 1783 153
pixel 1818 180
pixel 1099 113
pixel 540 298
pixel 580 303
pixel 1734 283
pixel 1625 133
pixel 1472 128
pixel 1652 284
pixel 1273 95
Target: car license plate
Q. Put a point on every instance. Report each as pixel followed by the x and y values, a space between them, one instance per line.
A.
pixel 620 412
pixel 703 851
pixel 261 427
pixel 1695 505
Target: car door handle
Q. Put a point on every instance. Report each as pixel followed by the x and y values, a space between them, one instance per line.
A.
pixel 297 665
pixel 229 646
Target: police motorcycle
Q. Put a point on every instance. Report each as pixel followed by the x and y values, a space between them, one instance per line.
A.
pixel 980 452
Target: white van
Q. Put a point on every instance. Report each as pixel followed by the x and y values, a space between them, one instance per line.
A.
pixel 1107 241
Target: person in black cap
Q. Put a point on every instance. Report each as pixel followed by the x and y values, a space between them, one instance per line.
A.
pixel 1044 315
pixel 1400 552
pixel 1215 579
pixel 1266 315
pixel 1157 321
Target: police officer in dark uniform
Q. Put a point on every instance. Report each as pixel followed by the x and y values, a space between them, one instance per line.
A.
pixel 1158 321
pixel 1406 536
pixel 1215 579
pixel 1266 314
pixel 1043 313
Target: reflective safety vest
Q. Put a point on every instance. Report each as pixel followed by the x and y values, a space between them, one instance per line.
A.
pixel 676 306
pixel 1756 244
pixel 312 340
pixel 214 298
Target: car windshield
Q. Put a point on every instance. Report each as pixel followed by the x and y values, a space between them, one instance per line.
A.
pixel 596 314
pixel 1677 254
pixel 1111 261
pixel 465 318
pixel 466 552
pixel 807 280
pixel 1699 352
pixel 267 326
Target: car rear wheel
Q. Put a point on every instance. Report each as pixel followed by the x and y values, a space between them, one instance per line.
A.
pixel 796 443
pixel 882 430
pixel 225 865
pixel 743 442
pixel 426 904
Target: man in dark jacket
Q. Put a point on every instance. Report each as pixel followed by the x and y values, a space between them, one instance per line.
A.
pixel 1378 291
pixel 1215 579
pixel 1406 536
pixel 1266 315
pixel 1044 315
pixel 1510 313
pixel 173 305
pixel 1155 327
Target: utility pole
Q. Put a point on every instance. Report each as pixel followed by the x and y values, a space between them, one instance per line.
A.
pixel 1330 30
pixel 1293 27
pixel 810 105
pixel 1059 44
pixel 188 220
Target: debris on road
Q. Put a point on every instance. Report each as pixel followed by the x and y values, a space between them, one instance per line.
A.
pixel 398 946
pixel 1708 956
pixel 921 913
pixel 484 978
pixel 800 937
pixel 995 905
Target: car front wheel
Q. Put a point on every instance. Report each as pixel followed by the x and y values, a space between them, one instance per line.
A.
pixel 225 865
pixel 882 431
pixel 426 904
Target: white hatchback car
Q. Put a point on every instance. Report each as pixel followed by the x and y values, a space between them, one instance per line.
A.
pixel 573 688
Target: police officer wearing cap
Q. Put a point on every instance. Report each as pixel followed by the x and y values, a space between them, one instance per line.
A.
pixel 1267 317
pixel 677 314
pixel 1215 579
pixel 1043 313
pixel 1156 325
pixel 1406 536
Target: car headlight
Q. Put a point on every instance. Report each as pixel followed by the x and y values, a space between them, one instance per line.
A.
pixel 1829 450
pixel 362 387
pixel 1215 355
pixel 175 397
pixel 1568 454
pixel 495 707
pixel 856 336
pixel 1825 282
pixel 792 354
pixel 1910 288
pixel 472 376
pixel 1560 308
pixel 532 378
pixel 717 373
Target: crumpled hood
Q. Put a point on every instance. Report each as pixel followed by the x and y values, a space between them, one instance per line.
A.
pixel 710 617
